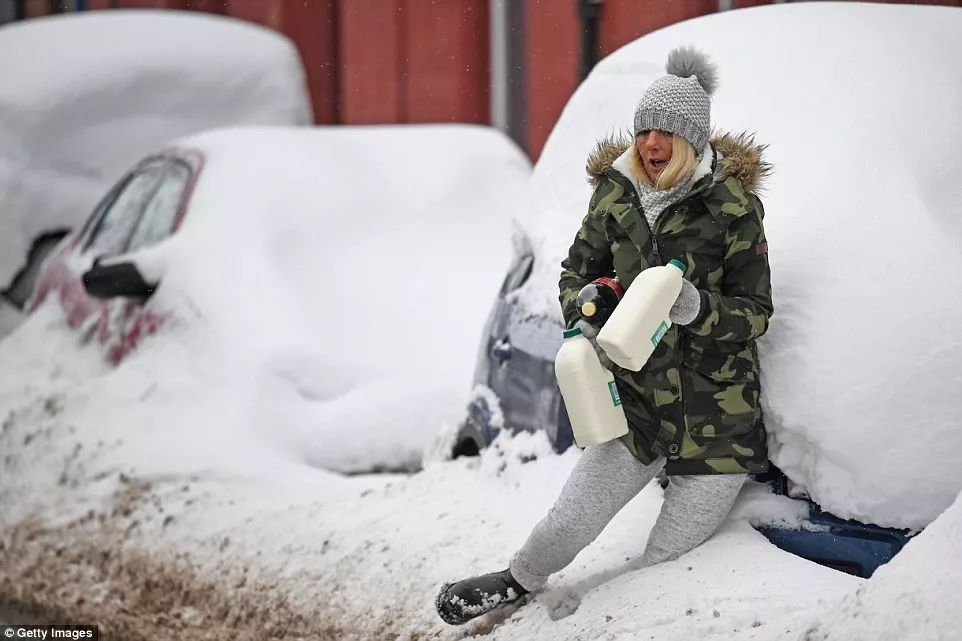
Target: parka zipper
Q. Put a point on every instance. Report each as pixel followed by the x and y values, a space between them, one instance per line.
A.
pixel 651 232
pixel 683 423
pixel 661 217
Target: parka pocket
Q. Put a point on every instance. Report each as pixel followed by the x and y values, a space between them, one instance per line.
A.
pixel 721 395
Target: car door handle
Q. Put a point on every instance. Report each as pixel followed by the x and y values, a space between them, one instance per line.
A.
pixel 501 350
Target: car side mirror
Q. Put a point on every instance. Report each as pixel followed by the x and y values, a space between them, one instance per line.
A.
pixel 116 279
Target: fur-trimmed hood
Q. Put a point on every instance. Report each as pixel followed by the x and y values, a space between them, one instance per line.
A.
pixel 739 157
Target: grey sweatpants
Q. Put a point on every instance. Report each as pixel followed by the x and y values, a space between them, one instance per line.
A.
pixel 605 478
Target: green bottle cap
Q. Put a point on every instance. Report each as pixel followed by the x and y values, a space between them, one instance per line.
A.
pixel 677 263
pixel 574 331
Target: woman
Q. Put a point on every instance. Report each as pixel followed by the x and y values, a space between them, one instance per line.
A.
pixel 693 409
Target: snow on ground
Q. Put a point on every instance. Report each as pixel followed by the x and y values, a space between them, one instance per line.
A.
pixel 71 123
pixel 256 542
pixel 860 365
pixel 108 516
pixel 921 583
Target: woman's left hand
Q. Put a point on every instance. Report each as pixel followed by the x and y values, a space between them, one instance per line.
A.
pixel 687 305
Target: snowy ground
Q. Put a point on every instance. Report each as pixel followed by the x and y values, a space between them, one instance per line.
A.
pixel 127 527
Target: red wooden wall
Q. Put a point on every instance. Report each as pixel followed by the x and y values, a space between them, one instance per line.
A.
pixel 312 27
pixel 552 55
pixel 400 61
pixel 412 61
pixel 553 51
pixel 368 61
pixel 416 61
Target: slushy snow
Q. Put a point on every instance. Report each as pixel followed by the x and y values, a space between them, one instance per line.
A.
pixel 860 367
pixel 87 95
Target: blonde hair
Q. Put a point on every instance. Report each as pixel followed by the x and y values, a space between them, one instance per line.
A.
pixel 680 167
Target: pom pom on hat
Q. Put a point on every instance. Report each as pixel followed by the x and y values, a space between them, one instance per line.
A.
pixel 688 61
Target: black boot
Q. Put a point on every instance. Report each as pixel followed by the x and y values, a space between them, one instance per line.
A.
pixel 460 602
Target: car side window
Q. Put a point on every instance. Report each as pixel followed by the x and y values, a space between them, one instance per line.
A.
pixel 115 226
pixel 518 274
pixel 160 213
pixel 101 207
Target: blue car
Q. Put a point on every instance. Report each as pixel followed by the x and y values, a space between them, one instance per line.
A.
pixel 516 371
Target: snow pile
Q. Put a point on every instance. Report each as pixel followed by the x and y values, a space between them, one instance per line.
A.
pixel 169 481
pixel 90 94
pixel 921 584
pixel 334 281
pixel 104 502
pixel 860 366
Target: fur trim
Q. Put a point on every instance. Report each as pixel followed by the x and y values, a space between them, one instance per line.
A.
pixel 606 151
pixel 741 158
pixel 688 61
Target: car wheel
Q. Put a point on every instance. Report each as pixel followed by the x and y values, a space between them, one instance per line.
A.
pixel 468 442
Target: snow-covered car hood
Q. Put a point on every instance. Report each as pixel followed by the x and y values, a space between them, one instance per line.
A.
pixel 860 374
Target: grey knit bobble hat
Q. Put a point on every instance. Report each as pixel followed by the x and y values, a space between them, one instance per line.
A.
pixel 681 101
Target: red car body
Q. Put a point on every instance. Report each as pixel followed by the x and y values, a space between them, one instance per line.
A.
pixel 147 205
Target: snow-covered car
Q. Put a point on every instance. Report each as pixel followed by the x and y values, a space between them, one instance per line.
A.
pixel 859 375
pixel 92 93
pixel 330 258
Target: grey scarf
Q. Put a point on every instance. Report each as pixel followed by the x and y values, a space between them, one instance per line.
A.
pixel 654 201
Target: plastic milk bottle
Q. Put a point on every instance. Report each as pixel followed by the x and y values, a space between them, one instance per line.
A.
pixel 589 391
pixel 641 318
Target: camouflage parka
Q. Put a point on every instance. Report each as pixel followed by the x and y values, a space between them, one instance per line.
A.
pixel 696 401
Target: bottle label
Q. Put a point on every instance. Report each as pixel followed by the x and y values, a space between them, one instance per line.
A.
pixel 613 284
pixel 613 390
pixel 659 333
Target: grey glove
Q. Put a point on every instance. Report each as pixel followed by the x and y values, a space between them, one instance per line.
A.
pixel 591 333
pixel 687 305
